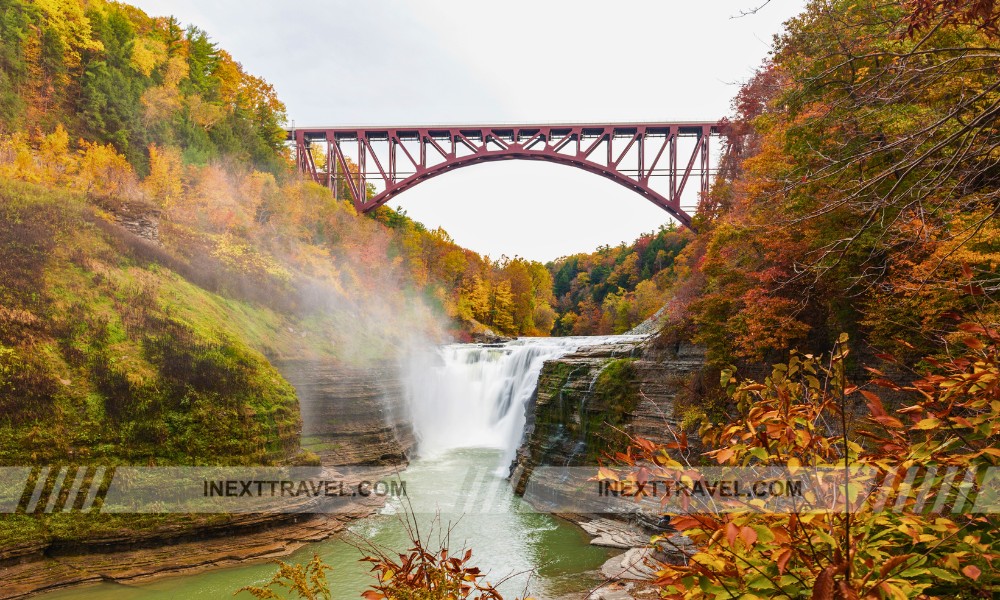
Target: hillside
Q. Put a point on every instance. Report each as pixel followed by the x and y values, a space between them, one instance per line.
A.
pixel 860 188
pixel 844 285
pixel 110 74
pixel 158 254
pixel 99 97
pixel 110 355
pixel 614 289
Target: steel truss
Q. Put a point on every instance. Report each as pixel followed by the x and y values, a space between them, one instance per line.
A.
pixel 643 157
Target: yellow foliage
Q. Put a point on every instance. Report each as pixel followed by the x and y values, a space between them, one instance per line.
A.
pixel 67 19
pixel 177 70
pixel 103 171
pixel 17 159
pixel 160 102
pixel 57 161
pixel 204 113
pixel 260 182
pixel 166 170
pixel 209 201
pixel 147 54
pixel 245 258
pixel 229 73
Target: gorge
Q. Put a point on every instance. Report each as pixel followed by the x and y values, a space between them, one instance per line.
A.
pixel 195 280
pixel 468 415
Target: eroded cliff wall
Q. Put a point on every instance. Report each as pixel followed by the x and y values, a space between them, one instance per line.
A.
pixel 589 402
pixel 351 415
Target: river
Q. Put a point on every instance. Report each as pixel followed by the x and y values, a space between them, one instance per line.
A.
pixel 466 403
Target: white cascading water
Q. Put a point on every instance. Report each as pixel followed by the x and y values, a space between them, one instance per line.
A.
pixel 474 396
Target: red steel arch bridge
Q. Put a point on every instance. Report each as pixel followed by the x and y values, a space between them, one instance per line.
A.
pixel 374 164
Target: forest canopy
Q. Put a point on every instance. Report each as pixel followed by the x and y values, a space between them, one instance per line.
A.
pixel 110 74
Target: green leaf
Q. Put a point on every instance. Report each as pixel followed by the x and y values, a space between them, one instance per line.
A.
pixel 764 533
pixel 760 583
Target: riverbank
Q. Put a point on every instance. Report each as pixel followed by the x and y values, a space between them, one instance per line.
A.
pixel 171 558
pixel 182 550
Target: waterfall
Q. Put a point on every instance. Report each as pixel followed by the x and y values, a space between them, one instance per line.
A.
pixel 474 395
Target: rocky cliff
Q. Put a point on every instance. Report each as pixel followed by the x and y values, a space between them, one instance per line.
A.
pixel 588 402
pixel 351 415
pixel 586 406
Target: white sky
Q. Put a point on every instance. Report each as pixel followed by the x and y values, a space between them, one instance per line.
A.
pixel 395 62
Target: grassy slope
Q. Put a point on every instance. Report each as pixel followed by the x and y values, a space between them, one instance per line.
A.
pixel 108 357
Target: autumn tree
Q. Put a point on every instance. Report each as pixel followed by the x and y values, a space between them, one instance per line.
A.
pixel 859 180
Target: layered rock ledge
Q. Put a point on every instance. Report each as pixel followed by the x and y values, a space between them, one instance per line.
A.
pixel 351 416
pixel 586 406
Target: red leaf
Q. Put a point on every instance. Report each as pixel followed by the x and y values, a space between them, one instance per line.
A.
pixel 882 382
pixel 874 403
pixel 748 535
pixel 682 523
pixel 846 592
pixel 732 531
pixel 889 422
pixel 972 572
pixel 891 564
pixel 823 588
pixel 782 559
pixel 974 343
pixel 724 455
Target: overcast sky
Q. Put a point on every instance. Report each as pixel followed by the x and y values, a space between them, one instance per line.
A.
pixel 385 62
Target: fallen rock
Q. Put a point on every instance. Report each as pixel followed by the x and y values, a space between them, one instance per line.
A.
pixel 614 534
pixel 636 563
pixel 675 549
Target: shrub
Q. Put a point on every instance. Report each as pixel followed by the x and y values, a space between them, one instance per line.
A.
pixel 799 417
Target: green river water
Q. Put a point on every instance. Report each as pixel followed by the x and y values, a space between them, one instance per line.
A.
pixel 467 407
pixel 549 556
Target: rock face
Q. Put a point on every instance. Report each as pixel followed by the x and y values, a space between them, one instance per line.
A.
pixel 613 534
pixel 587 401
pixel 140 218
pixel 586 405
pixel 136 563
pixel 351 415
pixel 636 563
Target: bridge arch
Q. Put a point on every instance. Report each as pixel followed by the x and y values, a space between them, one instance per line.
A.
pixel 642 157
